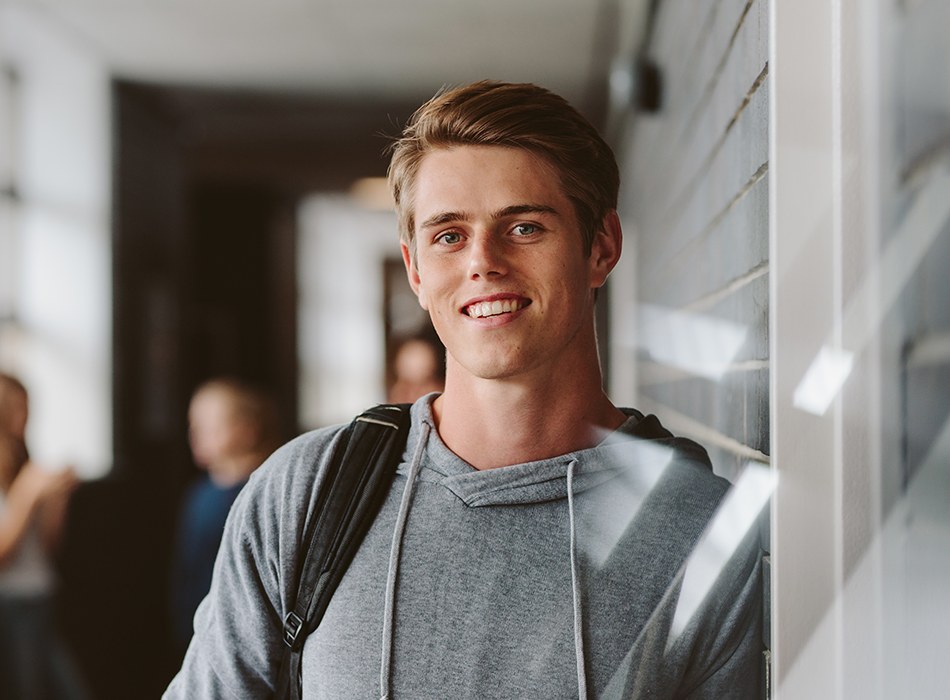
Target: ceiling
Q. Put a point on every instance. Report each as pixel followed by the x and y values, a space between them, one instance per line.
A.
pixel 382 48
pixel 305 93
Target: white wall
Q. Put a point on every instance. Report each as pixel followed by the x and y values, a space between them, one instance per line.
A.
pixel 341 249
pixel 60 342
pixel 860 248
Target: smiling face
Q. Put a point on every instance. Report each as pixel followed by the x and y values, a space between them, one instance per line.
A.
pixel 500 264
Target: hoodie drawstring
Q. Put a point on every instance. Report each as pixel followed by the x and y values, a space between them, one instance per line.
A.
pixel 575 589
pixel 394 554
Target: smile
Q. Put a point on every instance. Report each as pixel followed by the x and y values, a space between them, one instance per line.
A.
pixel 483 309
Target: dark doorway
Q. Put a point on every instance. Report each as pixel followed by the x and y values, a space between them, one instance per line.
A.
pixel 240 316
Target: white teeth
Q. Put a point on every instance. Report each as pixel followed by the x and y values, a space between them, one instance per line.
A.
pixel 492 308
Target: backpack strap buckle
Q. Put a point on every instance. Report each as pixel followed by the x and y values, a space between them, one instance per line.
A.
pixel 292 626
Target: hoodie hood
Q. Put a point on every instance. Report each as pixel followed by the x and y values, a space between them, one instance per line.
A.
pixel 638 450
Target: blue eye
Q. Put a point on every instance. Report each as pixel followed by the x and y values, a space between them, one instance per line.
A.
pixel 449 238
pixel 525 229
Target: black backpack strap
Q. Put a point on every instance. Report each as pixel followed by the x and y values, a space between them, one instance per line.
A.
pixel 357 480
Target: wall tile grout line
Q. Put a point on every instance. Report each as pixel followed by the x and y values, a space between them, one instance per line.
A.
pixel 921 167
pixel 677 203
pixel 758 175
pixel 717 73
pixel 655 372
pixel 728 289
pixel 704 434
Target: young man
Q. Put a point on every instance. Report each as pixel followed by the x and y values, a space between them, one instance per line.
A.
pixel 534 540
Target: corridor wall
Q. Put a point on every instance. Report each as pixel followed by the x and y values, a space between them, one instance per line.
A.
pixel 695 186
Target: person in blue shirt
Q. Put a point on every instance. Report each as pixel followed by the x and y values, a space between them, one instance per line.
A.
pixel 232 430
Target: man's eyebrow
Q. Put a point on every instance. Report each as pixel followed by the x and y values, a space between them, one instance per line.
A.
pixel 446 217
pixel 530 208
pixel 442 218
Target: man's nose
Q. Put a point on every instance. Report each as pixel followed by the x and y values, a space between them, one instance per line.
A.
pixel 486 257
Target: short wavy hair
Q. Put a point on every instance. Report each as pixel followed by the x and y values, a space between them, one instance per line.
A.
pixel 516 115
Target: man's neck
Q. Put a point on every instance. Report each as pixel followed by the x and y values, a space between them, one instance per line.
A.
pixel 491 423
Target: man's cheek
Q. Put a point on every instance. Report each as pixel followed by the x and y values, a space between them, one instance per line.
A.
pixel 423 299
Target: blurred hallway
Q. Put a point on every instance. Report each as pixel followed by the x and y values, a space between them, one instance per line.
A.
pixel 180 198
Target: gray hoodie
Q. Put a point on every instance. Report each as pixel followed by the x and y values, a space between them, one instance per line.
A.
pixel 551 579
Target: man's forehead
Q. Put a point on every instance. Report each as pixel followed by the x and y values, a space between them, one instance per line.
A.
pixel 499 180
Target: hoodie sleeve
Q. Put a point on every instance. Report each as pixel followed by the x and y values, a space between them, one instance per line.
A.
pixel 725 658
pixel 703 639
pixel 237 648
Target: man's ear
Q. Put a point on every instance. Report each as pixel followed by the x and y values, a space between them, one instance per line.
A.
pixel 605 249
pixel 413 275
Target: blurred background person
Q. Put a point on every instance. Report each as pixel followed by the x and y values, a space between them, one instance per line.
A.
pixel 34 663
pixel 232 428
pixel 14 407
pixel 418 369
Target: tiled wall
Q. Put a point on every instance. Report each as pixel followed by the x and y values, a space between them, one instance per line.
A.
pixel 695 206
pixel 921 162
